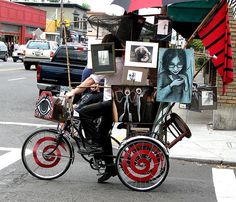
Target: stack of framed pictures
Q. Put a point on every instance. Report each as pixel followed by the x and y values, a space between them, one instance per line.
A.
pixel 139 57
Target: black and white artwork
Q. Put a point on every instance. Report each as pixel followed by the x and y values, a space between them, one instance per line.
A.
pixel 163 28
pixel 103 58
pixel 207 98
pixel 141 54
pixel 134 76
pixel 134 103
pixel 175 75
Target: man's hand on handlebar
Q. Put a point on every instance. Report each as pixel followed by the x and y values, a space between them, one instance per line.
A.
pixel 69 95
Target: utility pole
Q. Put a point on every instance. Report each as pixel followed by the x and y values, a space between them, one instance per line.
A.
pixel 61 21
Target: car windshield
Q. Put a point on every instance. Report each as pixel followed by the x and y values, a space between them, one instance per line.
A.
pixel 74 54
pixel 44 45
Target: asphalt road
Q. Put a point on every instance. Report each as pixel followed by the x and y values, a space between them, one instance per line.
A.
pixel 187 181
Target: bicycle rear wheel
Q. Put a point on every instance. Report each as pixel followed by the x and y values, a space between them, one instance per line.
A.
pixel 142 163
pixel 42 158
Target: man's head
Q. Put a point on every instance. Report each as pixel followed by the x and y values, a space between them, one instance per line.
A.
pixel 112 38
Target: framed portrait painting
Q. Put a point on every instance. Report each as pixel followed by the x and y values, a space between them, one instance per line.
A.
pixel 103 58
pixel 175 75
pixel 134 76
pixel 141 54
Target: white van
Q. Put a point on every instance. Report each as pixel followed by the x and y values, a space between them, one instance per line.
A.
pixel 3 51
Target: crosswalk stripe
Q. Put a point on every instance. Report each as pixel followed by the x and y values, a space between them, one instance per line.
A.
pixel 12 155
pixel 225 184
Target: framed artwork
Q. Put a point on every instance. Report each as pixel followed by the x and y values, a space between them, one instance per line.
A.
pixel 203 98
pixel 207 98
pixel 175 75
pixel 163 28
pixel 141 54
pixel 134 103
pixel 103 58
pixel 134 76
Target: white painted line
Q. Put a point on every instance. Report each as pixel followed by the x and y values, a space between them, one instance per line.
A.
pixel 27 124
pixel 16 79
pixel 10 157
pixel 7 70
pixel 225 184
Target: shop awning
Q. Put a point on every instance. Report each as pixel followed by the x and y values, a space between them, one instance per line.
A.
pixel 187 16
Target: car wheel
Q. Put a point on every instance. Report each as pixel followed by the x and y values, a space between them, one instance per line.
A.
pixel 27 66
pixel 14 60
pixel 5 58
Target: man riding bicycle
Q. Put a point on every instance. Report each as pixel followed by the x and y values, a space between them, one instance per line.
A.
pixel 101 138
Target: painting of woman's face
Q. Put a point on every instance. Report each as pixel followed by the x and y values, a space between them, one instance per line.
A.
pixel 175 65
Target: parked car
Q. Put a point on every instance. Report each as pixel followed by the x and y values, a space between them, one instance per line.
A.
pixel 51 75
pixel 18 53
pixel 3 51
pixel 38 50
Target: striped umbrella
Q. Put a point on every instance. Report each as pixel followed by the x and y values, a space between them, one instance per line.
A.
pixel 132 5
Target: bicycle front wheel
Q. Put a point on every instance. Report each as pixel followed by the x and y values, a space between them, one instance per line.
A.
pixel 43 158
pixel 142 163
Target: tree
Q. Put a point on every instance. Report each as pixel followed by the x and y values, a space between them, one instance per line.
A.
pixel 86 6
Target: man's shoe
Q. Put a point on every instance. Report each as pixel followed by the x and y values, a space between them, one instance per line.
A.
pixel 107 175
pixel 90 150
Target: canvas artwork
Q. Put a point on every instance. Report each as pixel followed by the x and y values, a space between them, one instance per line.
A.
pixel 134 103
pixel 103 58
pixel 175 75
pixel 134 76
pixel 141 54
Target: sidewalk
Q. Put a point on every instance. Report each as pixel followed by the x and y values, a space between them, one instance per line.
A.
pixel 205 145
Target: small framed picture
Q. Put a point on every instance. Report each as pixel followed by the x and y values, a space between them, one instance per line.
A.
pixel 103 58
pixel 141 54
pixel 134 76
pixel 203 98
pixel 163 28
pixel 208 98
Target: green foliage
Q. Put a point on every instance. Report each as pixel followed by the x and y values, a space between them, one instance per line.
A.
pixel 85 5
pixel 197 45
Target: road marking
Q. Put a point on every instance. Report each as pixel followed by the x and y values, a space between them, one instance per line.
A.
pixel 7 70
pixel 225 184
pixel 10 157
pixel 27 124
pixel 16 79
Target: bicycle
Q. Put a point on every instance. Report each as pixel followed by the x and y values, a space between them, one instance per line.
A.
pixel 142 160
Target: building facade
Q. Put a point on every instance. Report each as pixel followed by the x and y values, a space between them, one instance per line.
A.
pixel 224 118
pixel 18 22
pixel 74 15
